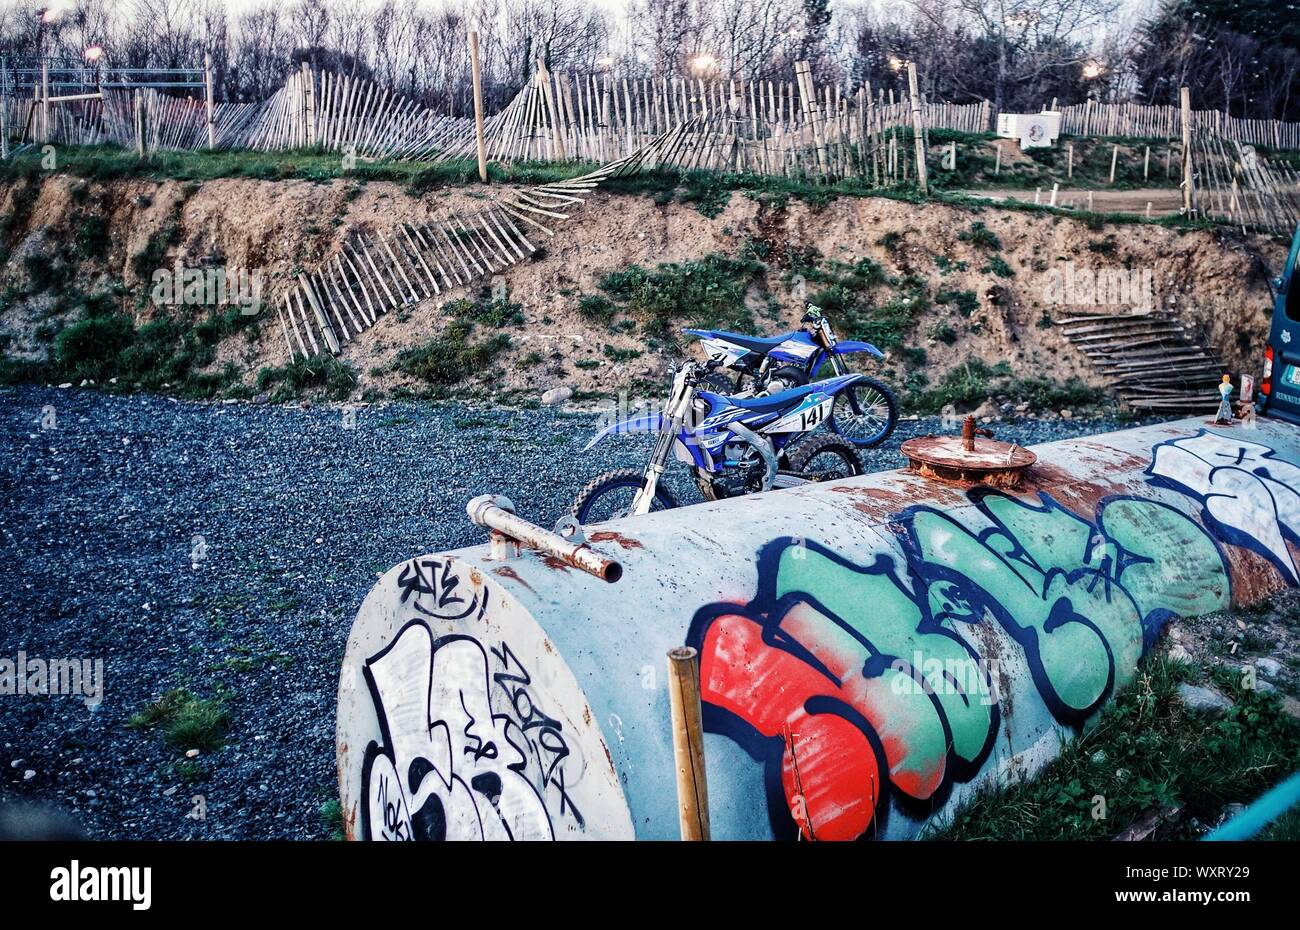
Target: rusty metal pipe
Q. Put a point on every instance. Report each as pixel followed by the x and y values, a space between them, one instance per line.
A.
pixel 497 514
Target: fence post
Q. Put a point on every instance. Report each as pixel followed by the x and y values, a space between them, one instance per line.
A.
pixel 4 121
pixel 309 104
pixel 1189 199
pixel 139 123
pixel 548 92
pixel 45 101
pixel 207 85
pixel 477 73
pixel 811 110
pixel 918 128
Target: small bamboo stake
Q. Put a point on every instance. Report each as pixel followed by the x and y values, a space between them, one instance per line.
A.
pixel 1069 160
pixel 1146 164
pixel 997 162
pixel 477 74
pixel 688 743
pixel 1114 160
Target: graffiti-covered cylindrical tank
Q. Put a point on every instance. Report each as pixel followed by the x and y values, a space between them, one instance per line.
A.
pixel 871 650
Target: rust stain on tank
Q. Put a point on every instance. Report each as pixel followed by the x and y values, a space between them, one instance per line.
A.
pixel 506 571
pixel 1253 576
pixel 551 561
pixel 619 539
pixel 883 503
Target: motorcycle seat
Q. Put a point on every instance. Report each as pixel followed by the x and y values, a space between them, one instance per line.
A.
pixel 760 344
pixel 772 403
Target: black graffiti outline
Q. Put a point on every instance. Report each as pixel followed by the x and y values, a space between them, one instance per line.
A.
pixel 549 727
pixel 412 580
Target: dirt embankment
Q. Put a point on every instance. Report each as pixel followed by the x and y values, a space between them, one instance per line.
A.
pixel 971 283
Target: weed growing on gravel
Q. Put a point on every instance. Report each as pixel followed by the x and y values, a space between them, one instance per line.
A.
pixel 188 771
pixel 1146 750
pixel 166 351
pixel 187 722
pixel 331 814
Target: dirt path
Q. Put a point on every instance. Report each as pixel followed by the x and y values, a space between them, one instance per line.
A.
pixel 1164 200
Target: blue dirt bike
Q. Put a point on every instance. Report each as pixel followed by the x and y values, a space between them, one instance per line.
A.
pixel 864 413
pixel 734 445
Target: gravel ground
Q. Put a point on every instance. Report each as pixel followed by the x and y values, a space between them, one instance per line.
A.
pixel 298 515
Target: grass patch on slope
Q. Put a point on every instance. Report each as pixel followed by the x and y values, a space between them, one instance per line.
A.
pixel 1147 750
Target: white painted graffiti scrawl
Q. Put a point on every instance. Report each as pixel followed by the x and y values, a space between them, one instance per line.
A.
pixel 1249 494
pixel 478 735
pixel 453 768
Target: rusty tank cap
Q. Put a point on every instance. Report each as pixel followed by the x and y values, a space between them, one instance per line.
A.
pixel 967 459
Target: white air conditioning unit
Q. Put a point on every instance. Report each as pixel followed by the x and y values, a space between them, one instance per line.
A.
pixel 1034 130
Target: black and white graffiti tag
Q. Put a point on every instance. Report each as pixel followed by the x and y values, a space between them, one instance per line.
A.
pixel 437 591
pixel 449 767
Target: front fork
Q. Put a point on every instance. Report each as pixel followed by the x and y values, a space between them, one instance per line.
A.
pixel 658 464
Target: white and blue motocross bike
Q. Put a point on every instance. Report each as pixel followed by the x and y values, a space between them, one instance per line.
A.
pixel 734 445
pixel 864 413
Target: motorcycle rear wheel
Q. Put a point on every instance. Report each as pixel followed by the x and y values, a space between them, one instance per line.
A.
pixel 825 457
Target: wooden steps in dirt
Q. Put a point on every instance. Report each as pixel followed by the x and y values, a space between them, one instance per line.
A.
pixel 377 271
pixel 1152 361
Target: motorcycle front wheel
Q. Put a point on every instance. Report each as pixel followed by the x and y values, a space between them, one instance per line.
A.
pixel 611 496
pixel 864 413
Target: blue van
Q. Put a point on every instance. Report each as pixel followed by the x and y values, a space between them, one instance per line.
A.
pixel 1279 389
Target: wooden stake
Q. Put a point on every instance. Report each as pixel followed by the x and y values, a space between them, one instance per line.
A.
pixel 1189 198
pixel 1114 160
pixel 688 742
pixel 139 124
pixel 918 129
pixel 997 162
pixel 207 85
pixel 45 101
pixel 477 74
pixel 1069 160
pixel 309 91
